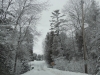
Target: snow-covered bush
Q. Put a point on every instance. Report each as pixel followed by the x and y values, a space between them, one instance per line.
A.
pixel 98 66
pixel 25 67
pixel 60 63
pixel 73 65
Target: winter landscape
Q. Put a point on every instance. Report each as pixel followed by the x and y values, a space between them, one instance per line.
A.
pixel 49 37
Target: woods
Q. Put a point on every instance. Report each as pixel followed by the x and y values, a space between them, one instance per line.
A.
pixel 76 44
pixel 71 44
pixel 18 32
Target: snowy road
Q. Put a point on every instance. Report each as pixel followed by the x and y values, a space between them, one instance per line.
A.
pixel 40 68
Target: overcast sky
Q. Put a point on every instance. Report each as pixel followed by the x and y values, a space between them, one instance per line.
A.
pixel 44 24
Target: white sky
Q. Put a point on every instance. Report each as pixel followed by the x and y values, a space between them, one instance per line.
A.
pixel 44 24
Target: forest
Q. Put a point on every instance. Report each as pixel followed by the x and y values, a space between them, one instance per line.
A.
pixel 18 19
pixel 72 43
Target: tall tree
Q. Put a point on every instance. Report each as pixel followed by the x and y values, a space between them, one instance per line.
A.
pixel 78 15
pixel 48 47
pixel 57 22
pixel 57 25
pixel 25 8
pixel 84 41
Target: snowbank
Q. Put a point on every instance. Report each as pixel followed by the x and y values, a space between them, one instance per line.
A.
pixel 41 69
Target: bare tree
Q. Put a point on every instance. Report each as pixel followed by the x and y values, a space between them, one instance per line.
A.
pixel 5 12
pixel 77 17
pixel 26 15
pixel 83 34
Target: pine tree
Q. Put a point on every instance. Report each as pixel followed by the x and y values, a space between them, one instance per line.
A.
pixel 48 47
pixel 57 22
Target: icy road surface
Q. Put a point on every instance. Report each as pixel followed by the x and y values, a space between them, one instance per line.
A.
pixel 40 68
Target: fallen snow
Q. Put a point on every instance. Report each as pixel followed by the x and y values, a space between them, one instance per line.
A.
pixel 38 65
pixel 40 68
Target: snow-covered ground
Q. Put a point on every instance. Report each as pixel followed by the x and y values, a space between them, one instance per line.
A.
pixel 40 68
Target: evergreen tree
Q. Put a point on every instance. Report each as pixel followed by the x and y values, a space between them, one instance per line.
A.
pixel 48 47
pixel 57 22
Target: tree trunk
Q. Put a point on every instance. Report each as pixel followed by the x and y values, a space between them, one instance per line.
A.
pixel 86 69
pixel 84 43
pixel 18 48
pixel 15 63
